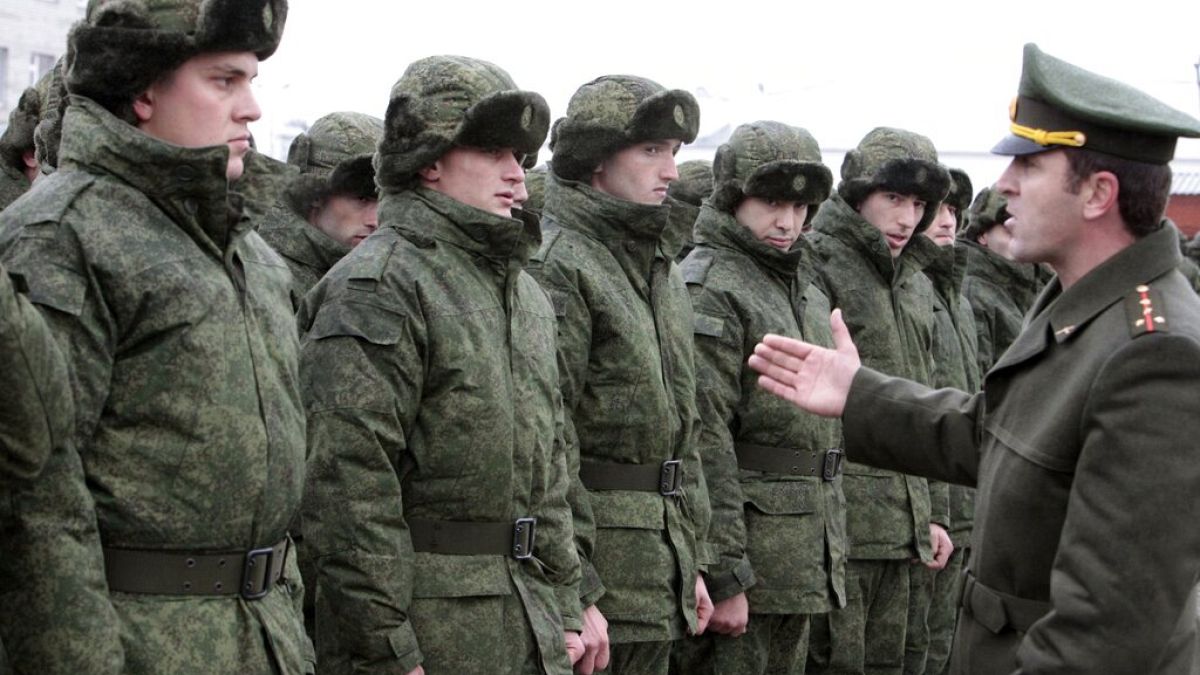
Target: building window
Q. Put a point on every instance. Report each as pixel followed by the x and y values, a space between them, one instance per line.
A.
pixel 39 65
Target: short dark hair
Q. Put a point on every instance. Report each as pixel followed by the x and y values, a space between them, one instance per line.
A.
pixel 1143 187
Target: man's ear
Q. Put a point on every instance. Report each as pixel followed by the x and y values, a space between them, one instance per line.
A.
pixel 431 173
pixel 143 106
pixel 1102 189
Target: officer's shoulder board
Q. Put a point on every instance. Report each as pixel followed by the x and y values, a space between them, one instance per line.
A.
pixel 1144 311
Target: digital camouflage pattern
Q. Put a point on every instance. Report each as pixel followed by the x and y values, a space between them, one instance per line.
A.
pixel 628 387
pixel 333 157
pixel 888 307
pixel 685 195
pixel 956 364
pixel 443 101
pixel 999 292
pixel 535 185
pixel 178 331
pixel 430 379
pixel 613 112
pixel 904 161
pixel 16 140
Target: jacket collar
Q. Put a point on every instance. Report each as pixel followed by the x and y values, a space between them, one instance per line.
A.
pixel 1060 315
pixel 578 206
pixel 838 220
pixel 721 230
pixel 188 184
pixel 422 212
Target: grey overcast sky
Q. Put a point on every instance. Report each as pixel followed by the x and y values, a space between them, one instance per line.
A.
pixel 947 69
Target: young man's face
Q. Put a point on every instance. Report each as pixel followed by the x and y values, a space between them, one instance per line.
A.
pixel 998 240
pixel 488 179
pixel 775 223
pixel 206 101
pixel 1045 221
pixel 639 173
pixel 893 214
pixel 347 219
pixel 941 230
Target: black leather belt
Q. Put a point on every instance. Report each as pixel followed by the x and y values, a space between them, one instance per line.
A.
pixel 996 611
pixel 824 464
pixel 455 537
pixel 250 574
pixel 666 479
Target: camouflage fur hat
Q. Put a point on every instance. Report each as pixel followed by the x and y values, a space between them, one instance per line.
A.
pixel 335 157
pixel 960 195
pixel 22 121
pixel 121 47
pixel 613 112
pixel 695 182
pixel 989 209
pixel 769 160
pixel 443 101
pixel 897 160
pixel 48 134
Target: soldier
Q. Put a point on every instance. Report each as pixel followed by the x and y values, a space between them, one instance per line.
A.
pixel 685 195
pixel 18 162
pixel 177 328
pixel 331 204
pixel 998 289
pixel 870 261
pixel 778 513
pixel 625 362
pixel 436 505
pixel 956 364
pixel 1085 549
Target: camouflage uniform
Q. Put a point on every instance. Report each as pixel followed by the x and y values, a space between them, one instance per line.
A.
pixel 685 195
pixel 625 362
pixel 332 158
pixel 535 185
pixel 888 306
pixel 779 535
pixel 177 328
pixel 430 379
pixel 998 290
pixel 956 364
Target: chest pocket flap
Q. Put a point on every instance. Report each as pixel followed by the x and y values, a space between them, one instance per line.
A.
pixel 365 321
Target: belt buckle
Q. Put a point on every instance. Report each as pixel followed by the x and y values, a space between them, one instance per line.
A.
pixel 248 568
pixel 832 466
pixel 524 534
pixel 670 479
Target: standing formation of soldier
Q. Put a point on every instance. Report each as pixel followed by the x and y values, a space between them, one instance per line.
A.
pixel 386 409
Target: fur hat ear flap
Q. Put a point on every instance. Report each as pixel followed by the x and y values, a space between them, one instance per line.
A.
pixel 727 190
pixel 407 146
pixel 355 177
pixel 580 148
pixel 300 151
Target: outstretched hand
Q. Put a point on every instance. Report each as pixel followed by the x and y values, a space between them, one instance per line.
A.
pixel 814 378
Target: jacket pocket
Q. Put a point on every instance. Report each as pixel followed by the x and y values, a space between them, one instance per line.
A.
pixel 373 323
pixel 779 498
pixel 460 576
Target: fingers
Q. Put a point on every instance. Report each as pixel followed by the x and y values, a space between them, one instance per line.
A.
pixel 789 347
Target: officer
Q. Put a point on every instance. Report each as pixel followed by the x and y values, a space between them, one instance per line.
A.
pixel 870 257
pixel 625 354
pixel 436 506
pixel 1085 551
pixel 955 364
pixel 999 289
pixel 773 473
pixel 331 205
pixel 177 327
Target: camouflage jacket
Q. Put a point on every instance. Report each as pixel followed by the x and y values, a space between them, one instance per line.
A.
pixel 178 331
pixel 781 536
pixel 955 360
pixel 13 184
pixel 888 307
pixel 51 581
pixel 999 292
pixel 308 252
pixel 430 380
pixel 628 386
